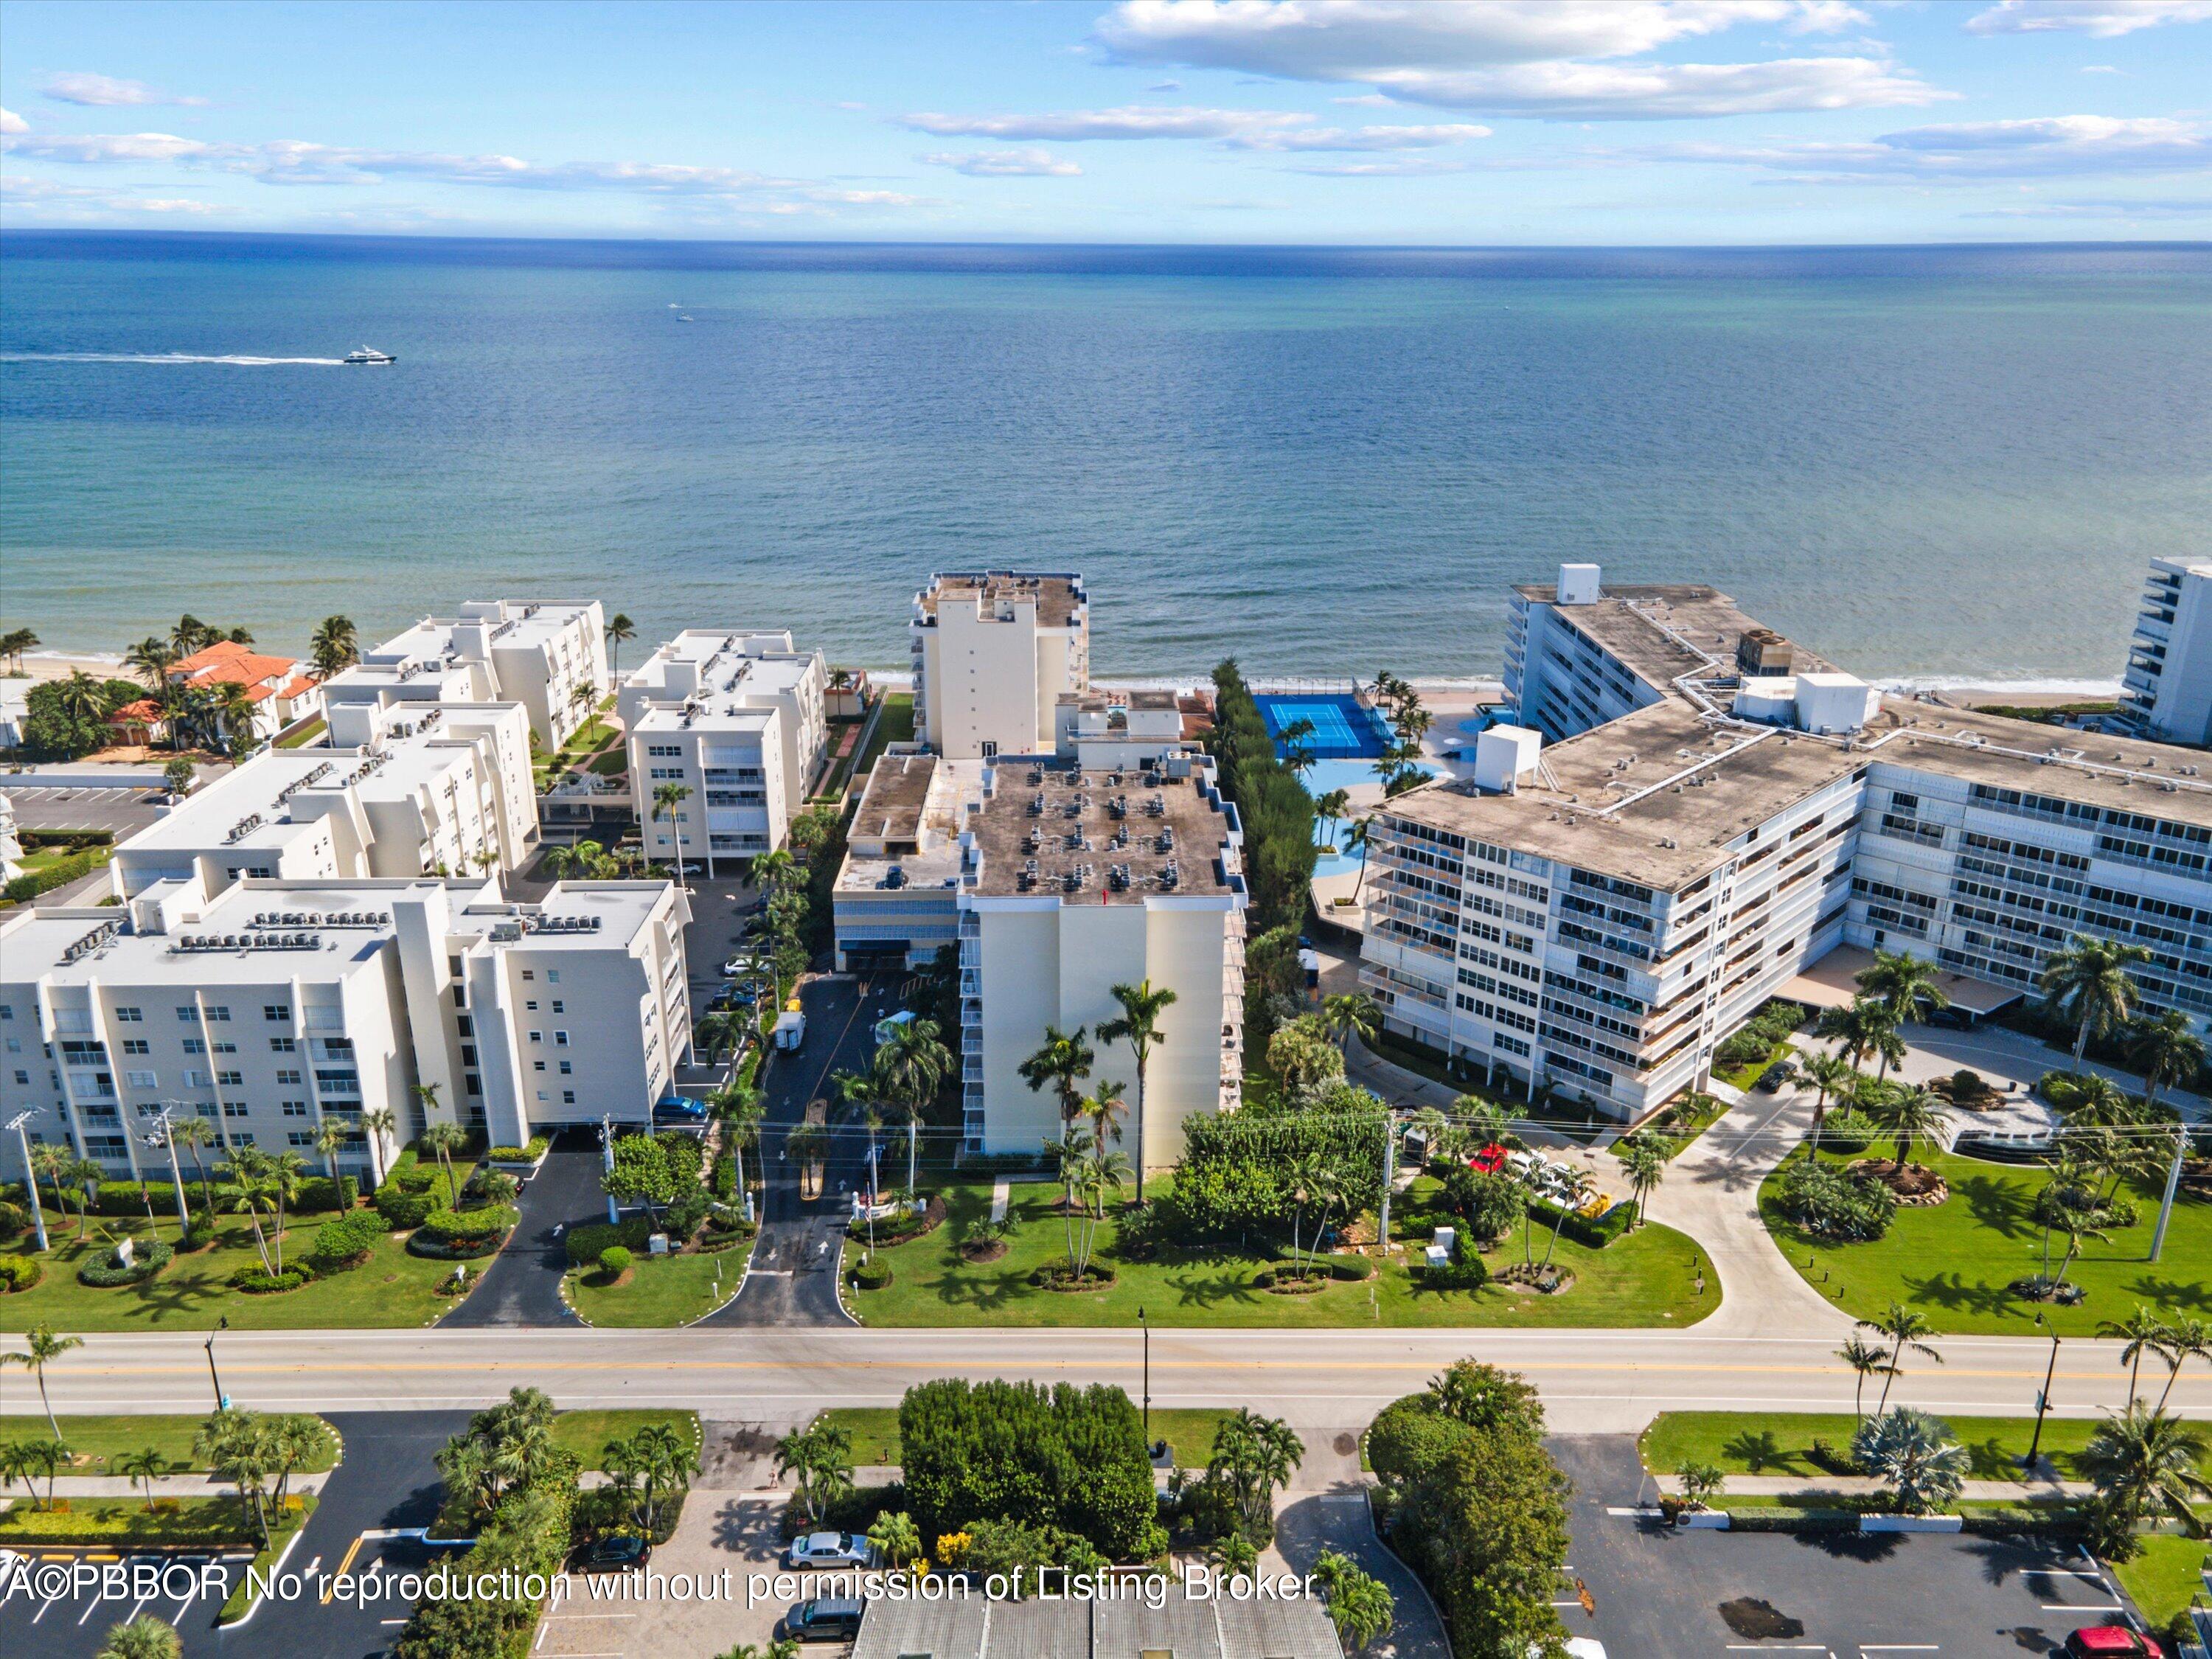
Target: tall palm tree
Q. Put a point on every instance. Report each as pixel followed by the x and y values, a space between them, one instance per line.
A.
pixel 2087 980
pixel 1856 1027
pixel 1105 1106
pixel 444 1140
pixel 2167 1051
pixel 1065 1060
pixel 82 697
pixel 191 1134
pixel 15 643
pixel 666 798
pixel 1864 1358
pixel 1356 839
pixel 379 1126
pixel 1644 1165
pixel 1331 808
pixel 1139 1025
pixel 2186 1339
pixel 41 1347
pixel 1908 1116
pixel 1904 1327
pixel 1254 1455
pixel 619 628
pixel 1350 1013
pixel 330 1140
pixel 1908 985
pixel 740 1106
pixel 807 1142
pixel 1831 1074
pixel 150 659
pixel 142 1468
pixel 914 1064
pixel 2143 1332
pixel 335 646
pixel 2141 1461
pixel 191 635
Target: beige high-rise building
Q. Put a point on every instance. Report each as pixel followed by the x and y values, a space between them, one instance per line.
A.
pixel 993 652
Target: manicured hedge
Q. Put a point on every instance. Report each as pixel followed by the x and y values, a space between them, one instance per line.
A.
pixel 585 1243
pixel 104 1274
pixel 401 1209
pixel 254 1281
pixel 346 1241
pixel 20 1273
pixel 314 1196
pixel 528 1154
pixel 452 1226
pixel 76 840
pixel 1467 1273
pixel 1596 1235
pixel 60 873
pixel 873 1274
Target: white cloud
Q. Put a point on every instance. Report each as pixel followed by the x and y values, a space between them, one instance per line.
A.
pixel 2101 69
pixel 1360 138
pixel 104 91
pixel 1128 121
pixel 16 187
pixel 2108 208
pixel 2047 147
pixel 2104 19
pixel 1006 164
pixel 1165 86
pixel 1368 100
pixel 1551 58
pixel 293 161
pixel 11 122
pixel 1410 167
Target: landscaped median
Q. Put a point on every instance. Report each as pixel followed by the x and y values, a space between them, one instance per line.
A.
pixel 951 1275
pixel 1812 1446
pixel 872 1432
pixel 103 1444
pixel 202 1522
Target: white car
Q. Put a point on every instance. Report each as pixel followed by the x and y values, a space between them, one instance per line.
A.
pixel 829 1549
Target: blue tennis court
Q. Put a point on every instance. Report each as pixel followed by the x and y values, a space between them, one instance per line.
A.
pixel 1343 728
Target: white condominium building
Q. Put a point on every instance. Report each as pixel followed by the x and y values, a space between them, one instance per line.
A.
pixel 416 789
pixel 897 896
pixel 1074 882
pixel 1107 729
pixel 1598 913
pixel 994 651
pixel 2167 690
pixel 274 1007
pixel 544 657
pixel 736 719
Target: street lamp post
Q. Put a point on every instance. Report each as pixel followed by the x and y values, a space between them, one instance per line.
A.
pixel 1389 1175
pixel 30 1175
pixel 1146 1326
pixel 2042 1405
pixel 221 1400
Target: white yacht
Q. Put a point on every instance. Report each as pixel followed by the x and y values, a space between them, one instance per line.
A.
pixel 370 355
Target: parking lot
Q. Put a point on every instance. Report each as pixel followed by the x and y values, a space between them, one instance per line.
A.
pixel 125 812
pixel 1658 1592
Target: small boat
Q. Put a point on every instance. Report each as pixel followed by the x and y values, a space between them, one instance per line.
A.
pixel 370 355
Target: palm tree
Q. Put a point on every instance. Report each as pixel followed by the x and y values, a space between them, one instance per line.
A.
pixel 445 1140
pixel 717 1035
pixel 2167 1051
pixel 1645 1165
pixel 776 870
pixel 1360 1606
pixel 1858 1028
pixel 619 628
pixel 666 798
pixel 82 697
pixel 53 1161
pixel 15 643
pixel 1098 1175
pixel 1331 808
pixel 1909 986
pixel 41 1347
pixel 1917 1454
pixel 1105 1106
pixel 914 1064
pixel 1068 1154
pixel 807 1142
pixel 819 1460
pixel 378 1125
pixel 142 1638
pixel 1580 1184
pixel 1356 840
pixel 1139 1025
pixel 897 1541
pixel 1063 1060
pixel 191 635
pixel 85 1175
pixel 238 1447
pixel 739 1105
pixel 1908 1116
pixel 2141 1460
pixel 1349 1014
pixel 334 646
pixel 2143 1332
pixel 150 659
pixel 330 1140
pixel 1254 1455
pixel 1905 1328
pixel 1830 1074
pixel 191 1134
pixel 1864 1358
pixel 2186 1339
pixel 2088 982
pixel 142 1468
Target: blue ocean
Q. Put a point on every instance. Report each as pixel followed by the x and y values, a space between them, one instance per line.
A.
pixel 1927 463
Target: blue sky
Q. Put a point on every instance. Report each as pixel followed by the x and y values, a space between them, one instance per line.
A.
pixel 1310 121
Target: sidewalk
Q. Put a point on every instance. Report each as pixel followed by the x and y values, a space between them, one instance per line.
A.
pixel 1856 1486
pixel 197 1484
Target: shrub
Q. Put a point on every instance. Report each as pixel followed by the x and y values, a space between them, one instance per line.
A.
pixel 872 1274
pixel 402 1209
pixel 1467 1274
pixel 106 1273
pixel 20 1273
pixel 14 1221
pixel 1848 1132
pixel 615 1259
pixel 584 1244
pixel 1489 1203
pixel 317 1194
pixel 128 1197
pixel 1236 1175
pixel 346 1241
pixel 528 1154
pixel 493 1221
pixel 1823 1199
pixel 1593 1233
pixel 197 1236
pixel 255 1280
pixel 1352 1269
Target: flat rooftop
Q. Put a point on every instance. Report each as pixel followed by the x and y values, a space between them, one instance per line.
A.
pixel 1057 595
pixel 1053 829
pixel 775 662
pixel 891 806
pixel 525 624
pixel 1660 629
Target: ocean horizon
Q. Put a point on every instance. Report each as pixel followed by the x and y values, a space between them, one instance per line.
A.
pixel 1937 464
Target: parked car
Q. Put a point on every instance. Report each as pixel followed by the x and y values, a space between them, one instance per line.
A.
pixel 2104 1641
pixel 827 1619
pixel 740 965
pixel 829 1549
pixel 1776 1075
pixel 615 1554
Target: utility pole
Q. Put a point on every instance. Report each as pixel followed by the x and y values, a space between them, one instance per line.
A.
pixel 2042 1405
pixel 221 1400
pixel 162 1137
pixel 2173 1181
pixel 1146 1326
pixel 1389 1175
pixel 30 1175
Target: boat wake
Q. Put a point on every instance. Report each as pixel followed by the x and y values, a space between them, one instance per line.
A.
pixel 163 357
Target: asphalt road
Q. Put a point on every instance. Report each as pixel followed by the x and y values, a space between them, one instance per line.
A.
pixel 522 1284
pixel 792 1279
pixel 1593 1382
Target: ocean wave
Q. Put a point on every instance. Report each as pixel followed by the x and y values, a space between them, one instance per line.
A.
pixel 236 362
pixel 1998 683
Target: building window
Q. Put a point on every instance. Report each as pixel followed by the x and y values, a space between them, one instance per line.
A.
pixel 185 1013
pixel 288 1076
pixel 232 1109
pixel 468 1054
pixel 566 1068
pixel 296 1109
pixel 194 1045
pixel 128 1016
pixel 300 1138
pixel 276 1011
pixel 529 974
pixel 230 1080
pixel 473 1083
pixel 553 977
pixel 243 1138
pixel 220 1016
pixel 137 1046
pixel 568 1096
pixel 538 1036
pixel 560 1039
pixel 531 1007
pixel 283 1045
pixel 143 1079
pixel 557 1007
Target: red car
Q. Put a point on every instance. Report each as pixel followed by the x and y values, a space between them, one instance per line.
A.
pixel 1490 1160
pixel 2111 1642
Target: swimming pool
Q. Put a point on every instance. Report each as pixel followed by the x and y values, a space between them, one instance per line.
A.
pixel 1344 728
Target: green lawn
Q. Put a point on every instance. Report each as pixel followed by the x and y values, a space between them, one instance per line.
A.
pixel 673 1290
pixel 306 735
pixel 1777 1443
pixel 95 1442
pixel 2165 1576
pixel 1954 1260
pixel 1189 1431
pixel 587 1433
pixel 894 724
pixel 130 1521
pixel 1744 1076
pixel 392 1288
pixel 1646 1279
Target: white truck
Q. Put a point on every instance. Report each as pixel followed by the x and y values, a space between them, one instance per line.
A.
pixel 790 1030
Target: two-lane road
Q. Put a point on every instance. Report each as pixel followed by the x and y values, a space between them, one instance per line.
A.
pixel 1592 1380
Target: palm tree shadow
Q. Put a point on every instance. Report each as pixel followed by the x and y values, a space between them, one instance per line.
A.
pixel 2000 1205
pixel 1953 1293
pixel 1194 1290
pixel 981 1291
pixel 2195 1295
